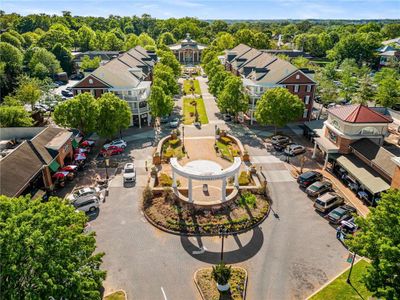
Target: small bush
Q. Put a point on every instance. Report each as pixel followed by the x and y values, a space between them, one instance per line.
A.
pixel 225 140
pixel 221 273
pixel 174 143
pixel 244 178
pixel 147 194
pixel 164 180
pixel 247 199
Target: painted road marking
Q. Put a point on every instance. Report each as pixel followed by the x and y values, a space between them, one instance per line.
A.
pixel 165 296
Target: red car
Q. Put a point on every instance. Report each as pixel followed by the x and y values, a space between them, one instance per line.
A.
pixel 112 150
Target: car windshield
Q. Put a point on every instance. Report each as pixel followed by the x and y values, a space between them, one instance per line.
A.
pixel 314 188
pixel 129 171
pixel 337 214
pixel 319 202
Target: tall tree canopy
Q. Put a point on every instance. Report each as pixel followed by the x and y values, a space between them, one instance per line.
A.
pixel 233 98
pixel 11 60
pixel 160 103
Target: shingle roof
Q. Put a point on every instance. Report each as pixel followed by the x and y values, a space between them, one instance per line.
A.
pixel 357 113
pixel 379 156
pixel 42 139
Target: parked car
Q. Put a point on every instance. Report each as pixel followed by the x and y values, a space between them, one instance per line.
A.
pixel 164 119
pixel 42 107
pixel 309 178
pixel 346 229
pixel 119 143
pixel 59 82
pixel 174 123
pixel 67 94
pixel 204 75
pixel 294 149
pixel 129 174
pixel 78 76
pixel 280 139
pixel 327 202
pixel 112 150
pixel 83 192
pixel 88 203
pixel 341 213
pixel 318 188
pixel 69 88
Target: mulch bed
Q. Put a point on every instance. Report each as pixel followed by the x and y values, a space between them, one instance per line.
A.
pixel 168 212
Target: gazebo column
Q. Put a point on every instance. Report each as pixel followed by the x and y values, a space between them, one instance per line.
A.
pixel 173 179
pixel 326 161
pixel 237 180
pixel 224 190
pixel 190 190
pixel 314 154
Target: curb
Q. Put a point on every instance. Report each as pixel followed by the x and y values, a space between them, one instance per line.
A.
pixel 166 230
pixel 244 285
pixel 333 279
pixel 126 296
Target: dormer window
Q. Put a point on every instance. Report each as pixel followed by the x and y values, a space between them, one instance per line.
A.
pixel 90 81
pixel 297 76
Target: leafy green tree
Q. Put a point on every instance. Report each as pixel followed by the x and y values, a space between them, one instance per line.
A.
pixel 145 40
pixel 160 103
pixel 11 60
pixel 64 56
pixel 261 41
pixel 81 112
pixel 131 42
pixel 388 90
pixel 165 73
pixel 52 37
pixel 301 62
pixel 112 42
pixel 379 240
pixel 167 58
pixel 45 58
pixel 8 38
pixel 233 98
pixel 244 36
pixel 166 38
pixel 14 116
pixel 114 115
pixel 45 252
pixel 391 31
pixel 29 91
pixel 365 92
pixel 30 39
pixel 90 64
pixel 86 37
pixel 217 82
pixel 347 78
pixel 277 106
pixel 224 41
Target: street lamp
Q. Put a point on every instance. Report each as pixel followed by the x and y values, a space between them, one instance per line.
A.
pixel 222 232
pixel 183 138
pixel 107 162
pixel 351 268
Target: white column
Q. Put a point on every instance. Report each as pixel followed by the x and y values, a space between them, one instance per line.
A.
pixel 173 179
pixel 190 190
pixel 252 112
pixel 326 161
pixel 223 190
pixel 237 179
pixel 140 121
pixel 314 154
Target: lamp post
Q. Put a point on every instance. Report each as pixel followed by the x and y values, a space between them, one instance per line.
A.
pixel 183 138
pixel 107 162
pixel 222 233
pixel 351 268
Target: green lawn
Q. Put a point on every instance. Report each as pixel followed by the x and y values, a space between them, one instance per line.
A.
pixel 187 85
pixel 188 108
pixel 340 289
pixel 225 150
pixel 115 296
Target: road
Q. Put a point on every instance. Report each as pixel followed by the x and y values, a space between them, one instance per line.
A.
pixel 289 256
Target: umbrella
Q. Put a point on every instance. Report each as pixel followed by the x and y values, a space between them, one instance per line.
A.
pixel 69 168
pixel 80 156
pixel 87 143
pixel 60 175
pixel 80 150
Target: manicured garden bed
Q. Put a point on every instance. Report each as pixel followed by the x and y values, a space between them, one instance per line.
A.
pixel 189 111
pixel 188 85
pixel 227 149
pixel 119 295
pixel 340 289
pixel 168 212
pixel 208 287
pixel 172 148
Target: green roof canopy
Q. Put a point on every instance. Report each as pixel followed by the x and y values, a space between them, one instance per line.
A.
pixel 54 165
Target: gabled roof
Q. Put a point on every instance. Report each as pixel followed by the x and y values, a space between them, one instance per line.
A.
pixel 41 140
pixel 357 113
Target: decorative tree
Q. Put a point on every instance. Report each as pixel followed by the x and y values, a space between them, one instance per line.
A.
pixel 233 98
pixel 221 274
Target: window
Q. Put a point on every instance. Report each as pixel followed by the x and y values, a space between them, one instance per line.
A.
pixel 297 76
pixel 306 100
pixel 308 88
pixel 90 81
pixel 305 113
pixel 369 131
pixel 332 136
pixel 296 88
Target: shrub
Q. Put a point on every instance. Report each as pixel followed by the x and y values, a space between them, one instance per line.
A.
pixel 225 140
pixel 244 178
pixel 247 199
pixel 164 180
pixel 147 194
pixel 174 143
pixel 221 273
pixel 168 153
pixel 218 131
pixel 234 152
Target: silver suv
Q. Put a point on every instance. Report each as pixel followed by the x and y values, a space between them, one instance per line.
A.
pixel 87 203
pixel 327 202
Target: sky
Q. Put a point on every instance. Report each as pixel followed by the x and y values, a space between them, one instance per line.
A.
pixel 214 9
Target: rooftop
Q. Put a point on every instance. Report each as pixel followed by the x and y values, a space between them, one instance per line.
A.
pixel 357 113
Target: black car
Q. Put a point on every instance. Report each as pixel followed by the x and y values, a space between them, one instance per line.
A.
pixel 341 213
pixel 309 178
pixel 66 93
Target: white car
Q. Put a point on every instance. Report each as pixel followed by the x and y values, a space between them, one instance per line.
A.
pixel 88 203
pixel 294 149
pixel 83 192
pixel 119 143
pixel 129 174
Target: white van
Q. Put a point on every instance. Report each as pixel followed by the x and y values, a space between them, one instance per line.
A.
pixel 327 201
pixel 87 203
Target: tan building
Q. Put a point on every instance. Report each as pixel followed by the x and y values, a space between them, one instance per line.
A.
pixel 188 51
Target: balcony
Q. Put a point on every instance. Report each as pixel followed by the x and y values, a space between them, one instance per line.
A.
pixel 141 110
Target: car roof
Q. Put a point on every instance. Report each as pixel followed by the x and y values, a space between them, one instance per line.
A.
pixel 129 165
pixel 309 174
pixel 317 184
pixel 85 198
pixel 327 196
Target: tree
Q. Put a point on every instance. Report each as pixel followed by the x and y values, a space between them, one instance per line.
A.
pixel 221 273
pixel 86 36
pixel 365 91
pixel 29 91
pixel 145 40
pixel 166 38
pixel 81 112
pixel 277 106
pixel 166 74
pixel 12 40
pixel 131 42
pixel 112 42
pixel 224 41
pixel 42 57
pixel 11 60
pixel 388 90
pixel 45 252
pixel 90 64
pixel 379 240
pixel 64 56
pixel 52 37
pixel 217 83
pixel 167 58
pixel 160 103
pixel 348 79
pixel 14 116
pixel 391 31
pixel 114 115
pixel 300 62
pixel 233 98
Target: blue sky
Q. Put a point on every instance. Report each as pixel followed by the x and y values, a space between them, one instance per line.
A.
pixel 218 9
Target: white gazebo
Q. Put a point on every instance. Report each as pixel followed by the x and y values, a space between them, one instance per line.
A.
pixel 205 170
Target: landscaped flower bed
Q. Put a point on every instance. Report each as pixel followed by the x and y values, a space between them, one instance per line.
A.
pixel 172 148
pixel 227 148
pixel 207 284
pixel 168 212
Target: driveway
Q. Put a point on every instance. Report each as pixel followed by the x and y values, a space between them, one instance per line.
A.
pixel 289 256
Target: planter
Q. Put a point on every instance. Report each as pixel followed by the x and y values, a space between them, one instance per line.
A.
pixel 156 160
pixel 246 157
pixel 223 287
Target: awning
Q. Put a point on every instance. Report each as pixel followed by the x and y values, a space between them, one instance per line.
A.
pixel 75 144
pixel 54 165
pixel 364 174
pixel 326 145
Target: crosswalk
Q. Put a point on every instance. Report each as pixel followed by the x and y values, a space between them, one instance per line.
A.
pixel 273 168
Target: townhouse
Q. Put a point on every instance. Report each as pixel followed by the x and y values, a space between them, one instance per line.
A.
pixel 128 76
pixel 261 71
